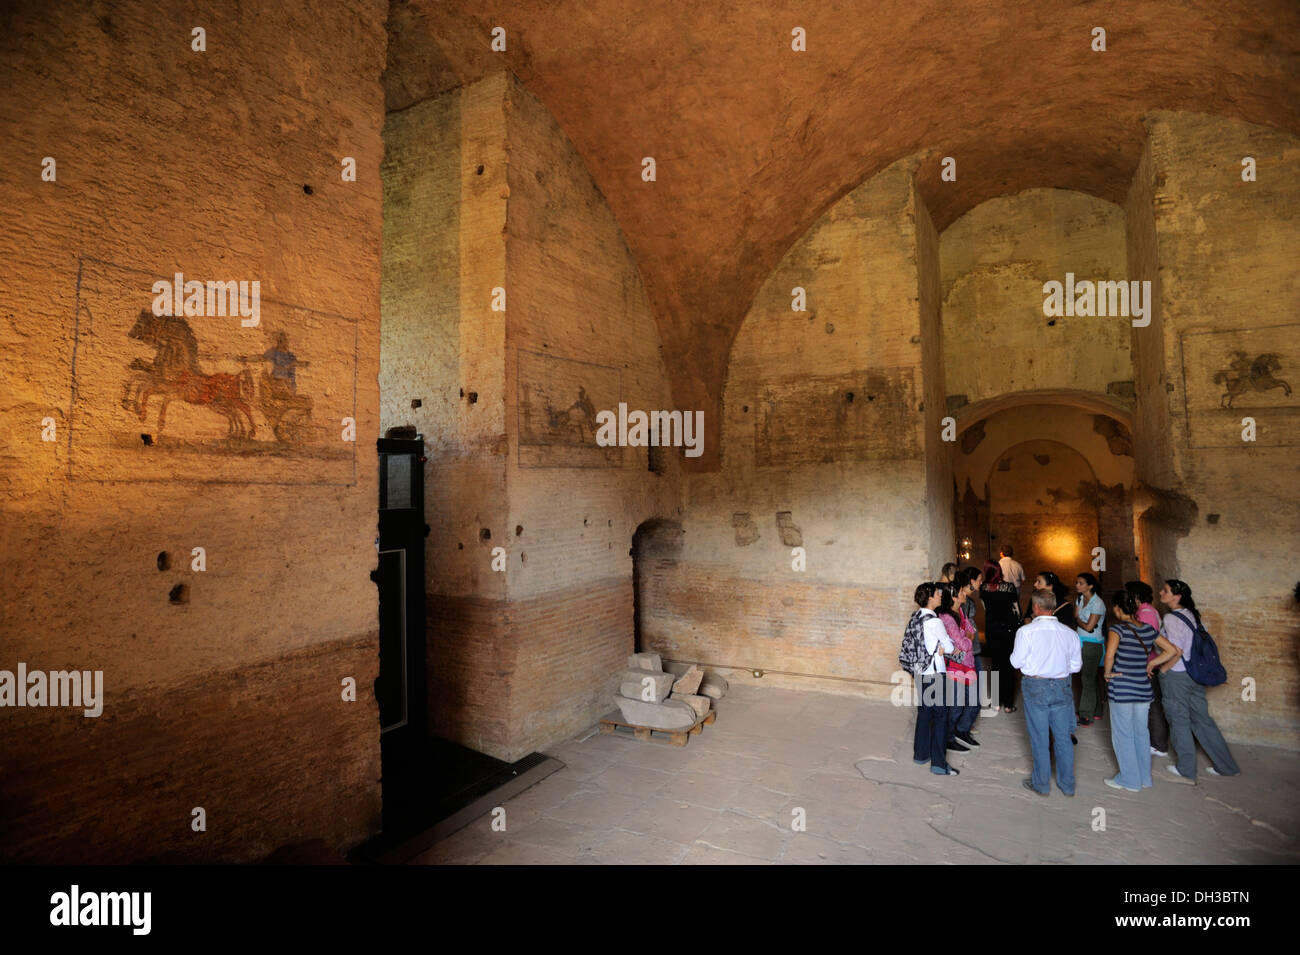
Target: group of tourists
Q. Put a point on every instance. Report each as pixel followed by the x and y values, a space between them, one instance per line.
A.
pixel 1141 659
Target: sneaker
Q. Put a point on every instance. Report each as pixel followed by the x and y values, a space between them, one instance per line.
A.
pixel 957 747
pixel 1173 771
pixel 1158 752
pixel 1029 784
pixel 1212 771
pixel 968 739
pixel 1115 785
pixel 1084 721
pixel 950 771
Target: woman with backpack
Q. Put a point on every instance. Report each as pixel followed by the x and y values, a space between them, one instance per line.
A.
pixel 1185 705
pixel 1001 601
pixel 924 643
pixel 1130 643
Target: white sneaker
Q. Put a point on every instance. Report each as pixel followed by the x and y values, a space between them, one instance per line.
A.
pixel 1114 785
pixel 1158 752
pixel 1174 771
pixel 1212 771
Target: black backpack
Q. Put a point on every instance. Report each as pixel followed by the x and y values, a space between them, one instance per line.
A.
pixel 912 656
pixel 1202 663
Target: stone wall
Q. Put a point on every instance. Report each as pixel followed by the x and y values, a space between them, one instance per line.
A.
pixel 825 443
pixel 222 686
pixel 486 192
pixel 994 262
pixel 1225 511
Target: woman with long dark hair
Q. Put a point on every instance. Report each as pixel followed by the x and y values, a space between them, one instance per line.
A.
pixel 1157 725
pixel 1064 612
pixel 1001 620
pixel 960 663
pixel 1090 614
pixel 1185 705
pixel 1129 643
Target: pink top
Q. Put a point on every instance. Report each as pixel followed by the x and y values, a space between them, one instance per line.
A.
pixel 959 634
pixel 1149 615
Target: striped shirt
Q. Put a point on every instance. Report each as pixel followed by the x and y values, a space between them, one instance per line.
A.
pixel 1130 683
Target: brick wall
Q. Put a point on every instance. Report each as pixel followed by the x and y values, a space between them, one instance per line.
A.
pixel 522 657
pixel 174 160
pixel 825 418
pixel 1230 511
pixel 994 262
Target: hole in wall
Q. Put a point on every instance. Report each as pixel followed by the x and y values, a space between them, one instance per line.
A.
pixel 1212 518
pixel 460 546
pixel 307 190
pixel 519 529
pixel 473 397
pixel 484 534
pixel 478 170
pixel 522 557
pixel 416 403
pixel 164 561
pixel 849 397
pixel 147 439
pixel 180 594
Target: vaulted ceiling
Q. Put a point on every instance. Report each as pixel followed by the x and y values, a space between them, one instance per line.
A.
pixel 753 141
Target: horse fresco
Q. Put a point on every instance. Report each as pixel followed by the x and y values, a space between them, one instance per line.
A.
pixel 579 416
pixel 174 375
pixel 1245 374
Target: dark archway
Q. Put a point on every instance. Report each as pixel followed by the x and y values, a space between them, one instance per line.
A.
pixel 655 543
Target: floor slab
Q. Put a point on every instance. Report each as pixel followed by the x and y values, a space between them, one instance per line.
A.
pixel 808 778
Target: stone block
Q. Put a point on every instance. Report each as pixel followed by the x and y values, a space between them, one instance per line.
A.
pixel 714 686
pixel 668 715
pixel 633 680
pixel 689 681
pixel 700 704
pixel 645 661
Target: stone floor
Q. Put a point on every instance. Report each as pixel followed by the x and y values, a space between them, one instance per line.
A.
pixel 731 794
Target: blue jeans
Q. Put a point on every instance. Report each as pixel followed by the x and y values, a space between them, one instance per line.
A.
pixel 966 718
pixel 1131 740
pixel 930 744
pixel 1049 708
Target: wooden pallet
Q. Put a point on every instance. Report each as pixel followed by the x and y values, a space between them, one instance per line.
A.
pixel 612 723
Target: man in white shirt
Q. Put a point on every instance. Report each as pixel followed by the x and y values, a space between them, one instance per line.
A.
pixel 1012 571
pixel 930 742
pixel 1046 653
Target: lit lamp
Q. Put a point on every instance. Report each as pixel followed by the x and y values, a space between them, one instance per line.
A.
pixel 965 548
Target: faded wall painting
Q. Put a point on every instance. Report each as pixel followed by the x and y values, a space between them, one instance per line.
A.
pixel 202 397
pixel 557 402
pixel 1234 374
pixel 861 416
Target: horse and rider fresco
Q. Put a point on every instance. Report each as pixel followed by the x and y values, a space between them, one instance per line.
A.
pixel 174 374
